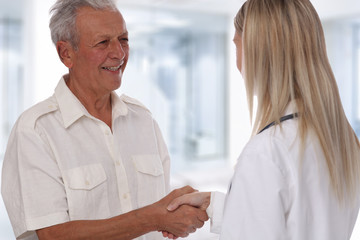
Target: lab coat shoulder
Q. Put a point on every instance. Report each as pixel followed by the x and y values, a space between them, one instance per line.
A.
pixel 275 146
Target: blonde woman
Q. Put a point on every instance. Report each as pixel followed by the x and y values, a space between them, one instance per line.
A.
pixel 298 176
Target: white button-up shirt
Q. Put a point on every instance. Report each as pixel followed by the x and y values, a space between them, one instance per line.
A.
pixel 276 195
pixel 62 164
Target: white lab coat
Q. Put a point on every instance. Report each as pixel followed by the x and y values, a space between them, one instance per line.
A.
pixel 275 196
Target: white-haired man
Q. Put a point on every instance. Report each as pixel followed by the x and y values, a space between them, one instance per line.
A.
pixel 85 163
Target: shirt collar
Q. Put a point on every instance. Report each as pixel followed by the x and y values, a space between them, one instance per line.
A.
pixel 119 107
pixel 71 108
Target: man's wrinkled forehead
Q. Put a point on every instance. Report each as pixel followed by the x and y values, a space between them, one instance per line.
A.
pixel 86 10
pixel 105 20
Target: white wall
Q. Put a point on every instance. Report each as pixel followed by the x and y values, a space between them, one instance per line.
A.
pixel 239 128
pixel 339 40
pixel 43 69
pixel 335 9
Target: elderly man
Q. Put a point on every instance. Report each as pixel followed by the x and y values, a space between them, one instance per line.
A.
pixel 85 163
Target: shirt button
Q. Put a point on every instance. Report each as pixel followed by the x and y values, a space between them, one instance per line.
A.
pixel 107 132
pixel 125 196
pixel 87 183
pixel 117 163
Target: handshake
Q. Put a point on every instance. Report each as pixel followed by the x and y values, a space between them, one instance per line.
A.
pixel 181 212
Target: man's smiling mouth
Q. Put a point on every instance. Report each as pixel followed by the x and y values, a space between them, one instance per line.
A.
pixel 115 68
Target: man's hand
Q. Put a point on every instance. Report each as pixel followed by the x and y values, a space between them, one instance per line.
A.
pixel 182 221
pixel 133 224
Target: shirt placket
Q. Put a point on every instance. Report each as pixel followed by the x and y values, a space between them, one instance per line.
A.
pixel 122 181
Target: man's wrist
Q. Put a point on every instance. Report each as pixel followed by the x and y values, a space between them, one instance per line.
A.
pixel 152 218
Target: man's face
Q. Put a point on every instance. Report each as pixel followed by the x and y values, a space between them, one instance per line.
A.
pixel 103 50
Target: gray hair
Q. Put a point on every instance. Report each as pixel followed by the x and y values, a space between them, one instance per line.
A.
pixel 63 20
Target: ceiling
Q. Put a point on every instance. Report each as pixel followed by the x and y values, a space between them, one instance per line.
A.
pixel 326 8
pixel 218 6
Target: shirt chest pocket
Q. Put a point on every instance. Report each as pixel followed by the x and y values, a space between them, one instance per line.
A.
pixel 87 192
pixel 150 178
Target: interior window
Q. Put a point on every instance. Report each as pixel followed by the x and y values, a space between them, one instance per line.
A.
pixel 180 63
pixel 11 83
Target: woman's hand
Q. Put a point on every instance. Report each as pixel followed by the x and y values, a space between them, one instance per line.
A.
pixel 196 199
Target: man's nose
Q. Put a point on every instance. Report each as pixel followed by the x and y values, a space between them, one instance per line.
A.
pixel 117 50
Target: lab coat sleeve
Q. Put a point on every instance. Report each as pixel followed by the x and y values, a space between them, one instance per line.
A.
pixel 255 205
pixel 215 211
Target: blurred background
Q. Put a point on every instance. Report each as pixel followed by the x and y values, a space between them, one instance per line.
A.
pixel 182 67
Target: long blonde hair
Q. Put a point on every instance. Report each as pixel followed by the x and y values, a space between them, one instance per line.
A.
pixel 285 59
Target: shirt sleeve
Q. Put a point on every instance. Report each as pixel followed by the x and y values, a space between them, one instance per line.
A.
pixel 255 205
pixel 164 155
pixel 32 187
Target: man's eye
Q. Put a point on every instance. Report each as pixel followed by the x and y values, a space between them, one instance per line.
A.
pixel 103 42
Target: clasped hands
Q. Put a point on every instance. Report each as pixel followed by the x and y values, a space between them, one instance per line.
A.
pixel 185 211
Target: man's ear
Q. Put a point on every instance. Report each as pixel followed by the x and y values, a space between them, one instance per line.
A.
pixel 66 53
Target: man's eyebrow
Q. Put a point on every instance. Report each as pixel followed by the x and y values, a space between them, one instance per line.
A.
pixel 100 36
pixel 124 33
